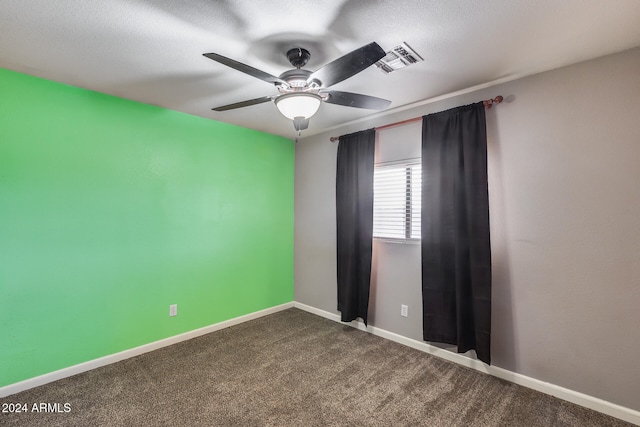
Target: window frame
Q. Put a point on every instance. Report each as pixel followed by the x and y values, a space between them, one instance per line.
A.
pixel 409 191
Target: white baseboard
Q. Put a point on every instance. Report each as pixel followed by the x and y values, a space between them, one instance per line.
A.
pixel 617 411
pixel 126 354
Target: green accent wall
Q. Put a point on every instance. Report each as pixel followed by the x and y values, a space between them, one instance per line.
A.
pixel 111 210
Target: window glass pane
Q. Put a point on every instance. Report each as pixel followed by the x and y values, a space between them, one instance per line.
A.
pixel 396 206
pixel 389 202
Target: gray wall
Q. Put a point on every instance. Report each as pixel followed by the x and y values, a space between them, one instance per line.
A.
pixel 564 183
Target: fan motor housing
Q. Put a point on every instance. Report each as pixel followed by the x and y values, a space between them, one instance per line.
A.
pixel 296 78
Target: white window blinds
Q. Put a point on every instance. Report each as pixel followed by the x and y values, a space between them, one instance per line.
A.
pixel 397 201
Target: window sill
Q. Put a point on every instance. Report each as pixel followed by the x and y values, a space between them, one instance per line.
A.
pixel 401 241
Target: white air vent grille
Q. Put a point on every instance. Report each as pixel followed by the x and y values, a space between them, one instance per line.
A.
pixel 399 57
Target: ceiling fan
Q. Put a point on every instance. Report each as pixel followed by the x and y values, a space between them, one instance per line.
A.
pixel 300 91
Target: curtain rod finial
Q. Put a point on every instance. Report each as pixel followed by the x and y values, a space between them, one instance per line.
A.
pixel 489 102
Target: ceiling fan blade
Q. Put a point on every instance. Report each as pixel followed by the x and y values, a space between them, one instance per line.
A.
pixel 247 69
pixel 348 65
pixel 243 103
pixel 357 100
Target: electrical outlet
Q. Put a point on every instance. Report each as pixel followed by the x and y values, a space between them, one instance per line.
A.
pixel 404 310
pixel 173 310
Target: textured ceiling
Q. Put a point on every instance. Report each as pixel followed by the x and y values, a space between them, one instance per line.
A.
pixel 151 50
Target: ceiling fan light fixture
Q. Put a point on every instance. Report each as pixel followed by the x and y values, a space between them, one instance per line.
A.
pixel 294 105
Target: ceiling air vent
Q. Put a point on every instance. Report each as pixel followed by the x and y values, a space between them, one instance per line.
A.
pixel 399 57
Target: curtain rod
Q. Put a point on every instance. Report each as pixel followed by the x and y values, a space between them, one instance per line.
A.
pixel 488 103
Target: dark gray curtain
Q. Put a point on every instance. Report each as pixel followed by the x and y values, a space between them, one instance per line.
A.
pixel 354 219
pixel 456 255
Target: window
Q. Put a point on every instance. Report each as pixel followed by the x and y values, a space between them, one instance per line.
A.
pixel 397 199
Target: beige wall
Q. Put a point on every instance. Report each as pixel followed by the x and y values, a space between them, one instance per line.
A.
pixel 564 183
pixel 565 169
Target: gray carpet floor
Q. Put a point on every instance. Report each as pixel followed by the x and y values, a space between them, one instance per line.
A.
pixel 293 368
